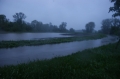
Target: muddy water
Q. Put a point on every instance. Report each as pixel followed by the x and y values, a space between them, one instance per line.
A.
pixel 29 53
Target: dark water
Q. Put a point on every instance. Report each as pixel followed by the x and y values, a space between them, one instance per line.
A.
pixel 29 36
pixel 30 53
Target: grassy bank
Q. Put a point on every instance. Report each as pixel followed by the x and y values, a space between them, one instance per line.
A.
pixel 10 44
pixel 98 63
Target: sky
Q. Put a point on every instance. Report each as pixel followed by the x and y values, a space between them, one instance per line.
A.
pixel 77 13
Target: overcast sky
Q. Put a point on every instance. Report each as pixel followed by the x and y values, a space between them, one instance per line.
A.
pixel 75 12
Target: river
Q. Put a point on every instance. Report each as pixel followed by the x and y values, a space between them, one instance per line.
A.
pixel 29 36
pixel 14 56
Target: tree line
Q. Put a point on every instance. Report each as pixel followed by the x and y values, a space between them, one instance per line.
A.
pixel 20 25
pixel 108 26
pixel 111 26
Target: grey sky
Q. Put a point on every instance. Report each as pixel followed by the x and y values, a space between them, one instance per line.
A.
pixel 75 12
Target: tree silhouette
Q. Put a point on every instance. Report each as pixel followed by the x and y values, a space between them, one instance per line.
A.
pixel 19 17
pixel 72 30
pixel 62 27
pixel 2 19
pixel 90 27
pixel 4 22
pixel 19 25
pixel 106 25
pixel 115 8
pixel 36 25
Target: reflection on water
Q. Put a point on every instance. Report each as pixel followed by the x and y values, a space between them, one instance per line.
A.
pixel 29 36
pixel 29 53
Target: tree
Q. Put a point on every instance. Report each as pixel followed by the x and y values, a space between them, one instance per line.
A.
pixel 4 22
pixel 115 8
pixel 36 25
pixel 2 19
pixel 55 28
pixel 115 22
pixel 62 27
pixel 90 27
pixel 72 30
pixel 106 25
pixel 109 24
pixel 19 17
pixel 115 30
pixel 19 25
pixel 115 27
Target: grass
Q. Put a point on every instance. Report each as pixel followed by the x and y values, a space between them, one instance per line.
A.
pixel 97 63
pixel 11 44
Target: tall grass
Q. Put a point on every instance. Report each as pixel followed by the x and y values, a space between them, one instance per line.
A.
pixel 97 63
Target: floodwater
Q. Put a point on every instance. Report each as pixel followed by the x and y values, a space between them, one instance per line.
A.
pixel 29 53
pixel 29 36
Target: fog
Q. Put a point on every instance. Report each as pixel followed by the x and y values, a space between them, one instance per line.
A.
pixel 75 12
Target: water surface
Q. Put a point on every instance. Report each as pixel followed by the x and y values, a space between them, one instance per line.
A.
pixel 29 36
pixel 30 53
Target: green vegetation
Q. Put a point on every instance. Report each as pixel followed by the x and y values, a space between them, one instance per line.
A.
pixel 10 44
pixel 97 63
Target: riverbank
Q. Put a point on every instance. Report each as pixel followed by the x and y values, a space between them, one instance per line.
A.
pixel 96 63
pixel 11 44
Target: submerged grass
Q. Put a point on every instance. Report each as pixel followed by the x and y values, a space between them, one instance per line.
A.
pixel 11 44
pixel 97 63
